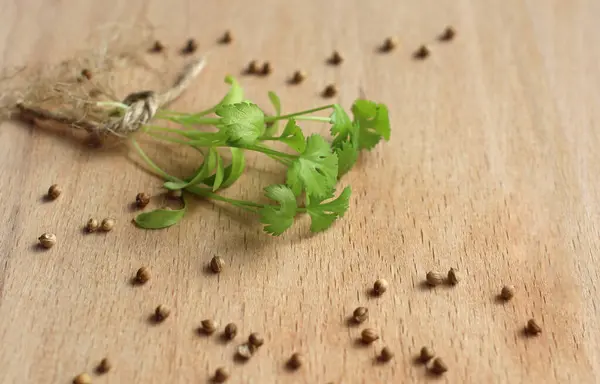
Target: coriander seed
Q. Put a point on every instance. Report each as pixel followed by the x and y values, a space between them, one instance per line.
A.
pixel 422 52
pixel 426 354
pixel 296 361
pixel 221 375
pixel 209 326
pixel 266 69
pixel 174 194
pixel 245 350
pixel 298 77
pixel 142 199
pixel 92 225
pixel 453 277
pixel 336 58
pixel 104 366
pixel 230 331
pixel 330 91
pixel 389 44
pixel 86 73
pixel 217 264
pixel 190 47
pixel 380 286
pixel 47 240
pixel 360 314
pixel 507 292
pixel 252 67
pixel 434 278
pixel 369 335
pixel 107 224
pixel 83 378
pixel 533 327
pixel 142 275
pixel 54 191
pixel 161 312
pixel 448 34
pixel 227 38
pixel 157 47
pixel 386 354
pixel 438 366
pixel 256 339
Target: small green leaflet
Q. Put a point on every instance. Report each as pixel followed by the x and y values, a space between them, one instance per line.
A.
pixel 373 122
pixel 278 219
pixel 211 162
pixel 274 126
pixel 160 218
pixel 341 125
pixel 347 154
pixel 315 170
pixel 292 135
pixel 235 94
pixel 323 215
pixel 243 123
pixel 232 172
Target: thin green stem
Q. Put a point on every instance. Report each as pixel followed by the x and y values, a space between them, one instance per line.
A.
pixel 151 163
pixel 314 118
pixel 268 151
pixel 167 138
pixel 283 117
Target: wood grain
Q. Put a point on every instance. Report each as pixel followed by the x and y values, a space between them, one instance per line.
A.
pixel 492 169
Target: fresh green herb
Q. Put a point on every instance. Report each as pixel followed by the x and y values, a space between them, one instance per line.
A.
pixel 314 165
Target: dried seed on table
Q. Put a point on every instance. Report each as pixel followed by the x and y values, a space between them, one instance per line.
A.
pixel 533 328
pixel 330 91
pixel 336 58
pixel 104 366
pixel 217 264
pixel 47 240
pixel 221 375
pixel 266 69
pixel 54 191
pixel 296 361
pixel 190 47
pixel 256 339
pixel 107 224
pixel 380 286
pixel 142 275
pixel 227 38
pixel 369 335
pixel 426 354
pixel 83 378
pixel 438 366
pixel 142 199
pixel 389 44
pixel 507 292
pixel 157 47
pixel 298 77
pixel 422 52
pixel 252 67
pixel 209 326
pixel 245 350
pixel 386 354
pixel 230 331
pixel 434 278
pixel 86 73
pixel 92 225
pixel 448 34
pixel 161 312
pixel 360 314
pixel 453 276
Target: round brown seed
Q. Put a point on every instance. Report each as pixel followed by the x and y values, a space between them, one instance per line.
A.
pixel 47 240
pixel 330 91
pixel 83 378
pixel 266 69
pixel 256 339
pixel 209 326
pixel 86 73
pixel 245 350
pixel 221 375
pixel 54 191
pixel 142 199
pixel 296 361
pixel 369 335
pixel 448 34
pixel 107 224
pixel 389 44
pixel 157 47
pixel 217 264
pixel 190 46
pixel 227 37
pixel 104 366
pixel 230 331
pixel 360 314
pixel 92 225
pixel 142 275
pixel 426 354
pixel 380 286
pixel 507 292
pixel 438 366
pixel 161 312
pixel 336 58
pixel 252 67
pixel 386 354
pixel 533 328
pixel 453 276
pixel 422 52
pixel 298 77
pixel 434 278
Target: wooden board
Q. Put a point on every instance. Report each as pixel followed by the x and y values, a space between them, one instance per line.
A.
pixel 492 169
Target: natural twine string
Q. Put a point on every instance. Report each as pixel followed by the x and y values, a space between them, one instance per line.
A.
pixel 142 106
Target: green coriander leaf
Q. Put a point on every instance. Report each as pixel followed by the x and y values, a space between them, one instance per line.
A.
pixel 160 218
pixel 341 125
pixel 373 121
pixel 323 215
pixel 278 219
pixel 274 126
pixel 243 123
pixel 315 170
pixel 235 94
pixel 347 154
pixel 292 135
pixel 209 164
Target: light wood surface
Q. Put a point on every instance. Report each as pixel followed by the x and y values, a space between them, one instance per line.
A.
pixel 492 169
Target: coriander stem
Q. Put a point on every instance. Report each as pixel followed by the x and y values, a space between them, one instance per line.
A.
pixel 167 138
pixel 283 117
pixel 314 118
pixel 151 163
pixel 268 151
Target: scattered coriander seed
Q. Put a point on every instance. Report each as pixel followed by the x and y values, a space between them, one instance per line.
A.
pixel 369 335
pixel 438 366
pixel 157 47
pixel 380 286
pixel 252 67
pixel 107 224
pixel 386 354
pixel 216 264
pixel 230 331
pixel 448 34
pixel 533 327
pixel 256 339
pixel 92 225
pixel 389 44
pixel 298 77
pixel 83 378
pixel 330 91
pixel 507 292
pixel 190 47
pixel 453 276
pixel 174 194
pixel 426 354
pixel 221 375
pixel 227 38
pixel 47 240
pixel 142 275
pixel 266 69
pixel 360 314
pixel 54 191
pixel 104 366
pixel 296 360
pixel 209 326
pixel 161 312
pixel 336 58
pixel 142 199
pixel 422 52
pixel 245 350
pixel 86 73
pixel 434 278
